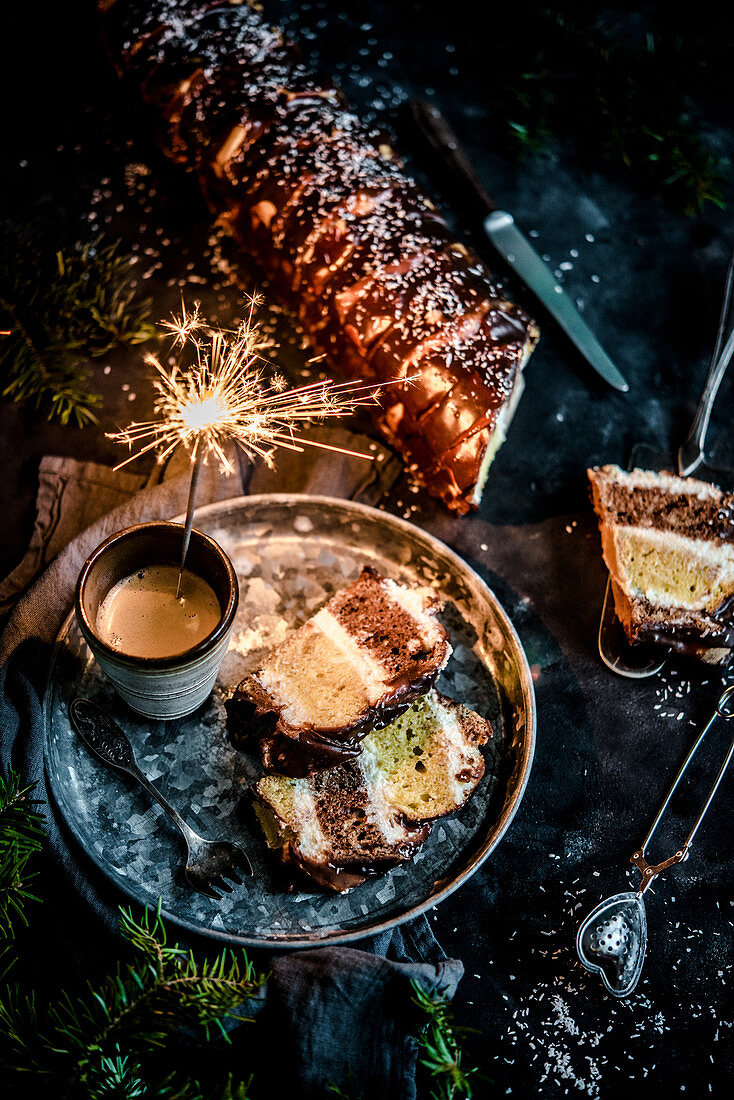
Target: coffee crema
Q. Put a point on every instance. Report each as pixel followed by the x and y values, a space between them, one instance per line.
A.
pixel 142 617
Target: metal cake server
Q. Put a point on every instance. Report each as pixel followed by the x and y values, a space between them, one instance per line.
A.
pixel 209 862
pixel 514 247
pixel 613 939
pixel 640 661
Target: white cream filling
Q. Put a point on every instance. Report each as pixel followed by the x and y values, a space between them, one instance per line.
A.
pixel 498 436
pixel 382 809
pixel 311 838
pixel 456 750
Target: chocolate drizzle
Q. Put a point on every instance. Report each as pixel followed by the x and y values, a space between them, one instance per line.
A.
pixel 350 243
pixel 303 750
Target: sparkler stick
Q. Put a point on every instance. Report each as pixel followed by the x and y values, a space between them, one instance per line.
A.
pixel 195 472
pixel 224 396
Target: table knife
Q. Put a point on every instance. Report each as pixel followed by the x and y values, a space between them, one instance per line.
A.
pixel 514 247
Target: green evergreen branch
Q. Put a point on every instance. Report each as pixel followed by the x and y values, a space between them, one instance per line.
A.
pixel 99 1042
pixel 21 835
pixel 628 101
pixel 438 1041
pixel 62 308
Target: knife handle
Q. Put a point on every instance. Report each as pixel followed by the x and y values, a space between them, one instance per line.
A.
pixel 442 138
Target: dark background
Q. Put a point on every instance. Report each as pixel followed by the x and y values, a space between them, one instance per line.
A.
pixel 78 157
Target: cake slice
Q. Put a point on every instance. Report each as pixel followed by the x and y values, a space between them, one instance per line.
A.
pixel 369 814
pixel 373 649
pixel 668 543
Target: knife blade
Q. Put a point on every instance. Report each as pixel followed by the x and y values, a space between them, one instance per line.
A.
pixel 514 247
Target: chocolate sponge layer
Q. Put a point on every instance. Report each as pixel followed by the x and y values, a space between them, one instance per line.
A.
pixel 374 649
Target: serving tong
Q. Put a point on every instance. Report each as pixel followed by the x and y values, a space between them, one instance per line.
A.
pixel 637 662
pixel 613 939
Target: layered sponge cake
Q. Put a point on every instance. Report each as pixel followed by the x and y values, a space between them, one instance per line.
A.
pixel 369 814
pixel 668 543
pixel 370 652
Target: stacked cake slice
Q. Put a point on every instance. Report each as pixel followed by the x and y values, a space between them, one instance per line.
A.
pixel 668 543
pixel 371 813
pixel 371 651
pixel 361 753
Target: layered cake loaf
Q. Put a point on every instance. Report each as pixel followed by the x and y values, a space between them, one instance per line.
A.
pixel 668 543
pixel 372 650
pixel 345 235
pixel 369 814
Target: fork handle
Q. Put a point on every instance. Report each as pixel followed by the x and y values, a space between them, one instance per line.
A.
pixel 110 744
pixel 189 835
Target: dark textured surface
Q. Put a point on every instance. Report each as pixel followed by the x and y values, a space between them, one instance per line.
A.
pixel 77 152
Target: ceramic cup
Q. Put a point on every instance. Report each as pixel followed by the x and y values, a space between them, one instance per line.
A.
pixel 158 687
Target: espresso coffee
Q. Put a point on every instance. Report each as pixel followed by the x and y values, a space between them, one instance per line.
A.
pixel 142 617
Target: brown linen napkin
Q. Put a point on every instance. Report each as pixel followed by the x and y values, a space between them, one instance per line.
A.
pixel 74 516
pixel 74 497
pixel 71 496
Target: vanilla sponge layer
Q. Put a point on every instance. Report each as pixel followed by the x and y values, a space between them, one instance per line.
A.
pixel 323 675
pixel 424 765
pixel 371 640
pixel 671 570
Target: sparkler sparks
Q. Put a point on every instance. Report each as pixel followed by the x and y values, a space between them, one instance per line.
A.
pixel 224 396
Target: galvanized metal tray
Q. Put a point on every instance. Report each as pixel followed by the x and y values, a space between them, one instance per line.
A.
pixel 291 553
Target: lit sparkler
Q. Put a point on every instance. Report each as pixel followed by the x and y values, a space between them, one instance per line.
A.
pixel 224 396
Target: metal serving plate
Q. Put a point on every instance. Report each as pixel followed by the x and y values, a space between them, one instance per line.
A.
pixel 291 553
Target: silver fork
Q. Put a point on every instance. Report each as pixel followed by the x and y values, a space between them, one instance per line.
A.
pixel 640 661
pixel 209 862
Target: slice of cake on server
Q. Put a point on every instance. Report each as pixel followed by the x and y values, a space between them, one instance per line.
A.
pixel 668 543
pixel 369 653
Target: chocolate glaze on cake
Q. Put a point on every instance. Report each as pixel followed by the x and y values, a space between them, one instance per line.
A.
pixel 668 543
pixel 355 666
pixel 351 245
pixel 367 815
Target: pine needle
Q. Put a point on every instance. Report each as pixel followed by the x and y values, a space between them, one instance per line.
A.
pixel 63 307
pixel 103 1040
pixel 439 1044
pixel 21 835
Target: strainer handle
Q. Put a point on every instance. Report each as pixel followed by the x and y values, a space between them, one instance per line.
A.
pixel 725 710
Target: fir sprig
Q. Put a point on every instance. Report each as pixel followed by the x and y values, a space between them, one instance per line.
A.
pixel 63 306
pixel 99 1042
pixel 21 835
pixel 625 99
pixel 439 1043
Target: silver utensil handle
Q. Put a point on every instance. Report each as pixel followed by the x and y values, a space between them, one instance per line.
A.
pixel 163 802
pixel 691 452
pixel 110 744
pixel 725 710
